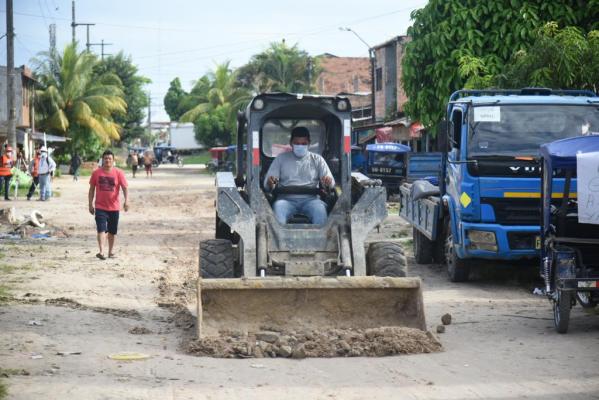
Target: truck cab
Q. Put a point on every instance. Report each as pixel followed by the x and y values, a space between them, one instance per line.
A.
pixel 488 204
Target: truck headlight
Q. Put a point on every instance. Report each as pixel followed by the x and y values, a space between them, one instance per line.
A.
pixel 482 240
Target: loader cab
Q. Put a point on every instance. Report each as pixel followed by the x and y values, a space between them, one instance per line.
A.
pixel 267 126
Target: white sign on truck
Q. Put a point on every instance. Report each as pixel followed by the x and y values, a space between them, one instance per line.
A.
pixel 182 136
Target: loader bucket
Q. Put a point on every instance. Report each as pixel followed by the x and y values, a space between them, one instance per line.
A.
pixel 307 303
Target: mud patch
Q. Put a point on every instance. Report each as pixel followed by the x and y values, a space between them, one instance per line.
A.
pixel 70 303
pixel 375 342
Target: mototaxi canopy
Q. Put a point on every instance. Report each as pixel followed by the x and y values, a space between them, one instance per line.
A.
pixel 388 148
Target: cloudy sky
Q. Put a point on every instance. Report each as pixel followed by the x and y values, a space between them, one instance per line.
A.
pixel 185 39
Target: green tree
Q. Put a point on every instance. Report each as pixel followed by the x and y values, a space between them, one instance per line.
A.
pixel 479 37
pixel 217 95
pixel 213 128
pixel 133 89
pixel 173 98
pixel 558 58
pixel 75 102
pixel 280 68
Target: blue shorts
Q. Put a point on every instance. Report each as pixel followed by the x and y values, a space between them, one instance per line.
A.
pixel 107 221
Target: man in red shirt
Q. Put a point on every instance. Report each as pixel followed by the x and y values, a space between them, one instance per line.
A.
pixel 106 183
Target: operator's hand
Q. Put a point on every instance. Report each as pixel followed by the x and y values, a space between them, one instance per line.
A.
pixel 272 181
pixel 326 181
pixel 126 206
pixel 91 210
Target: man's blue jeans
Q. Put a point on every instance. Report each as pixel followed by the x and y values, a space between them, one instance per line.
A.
pixel 315 209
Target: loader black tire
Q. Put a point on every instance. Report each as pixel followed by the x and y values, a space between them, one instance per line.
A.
pixel 386 259
pixel 423 247
pixel 217 259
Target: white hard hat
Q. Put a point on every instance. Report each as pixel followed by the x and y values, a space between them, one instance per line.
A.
pixel 43 148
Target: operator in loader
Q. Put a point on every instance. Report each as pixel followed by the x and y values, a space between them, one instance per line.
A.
pixel 299 168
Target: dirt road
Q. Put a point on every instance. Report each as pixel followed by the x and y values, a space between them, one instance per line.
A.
pixel 501 344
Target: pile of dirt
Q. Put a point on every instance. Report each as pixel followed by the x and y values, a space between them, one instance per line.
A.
pixel 376 342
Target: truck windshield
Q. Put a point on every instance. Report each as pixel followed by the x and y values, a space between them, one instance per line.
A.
pixel 517 130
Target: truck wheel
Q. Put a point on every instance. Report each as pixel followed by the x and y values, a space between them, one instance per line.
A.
pixel 561 311
pixel 423 247
pixel 458 269
pixel 217 259
pixel 585 300
pixel 386 259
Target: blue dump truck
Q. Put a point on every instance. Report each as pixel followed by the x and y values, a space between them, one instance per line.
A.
pixel 487 201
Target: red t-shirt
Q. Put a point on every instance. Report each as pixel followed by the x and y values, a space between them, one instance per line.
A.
pixel 108 186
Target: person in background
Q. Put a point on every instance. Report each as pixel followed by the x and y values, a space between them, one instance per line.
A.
pixel 6 163
pixel 46 169
pixel 134 163
pixel 34 168
pixel 105 184
pixel 148 164
pixel 75 165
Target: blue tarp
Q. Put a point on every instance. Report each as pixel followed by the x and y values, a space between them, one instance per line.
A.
pixel 562 153
pixel 388 148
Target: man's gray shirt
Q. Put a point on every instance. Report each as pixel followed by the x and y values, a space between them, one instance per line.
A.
pixel 292 170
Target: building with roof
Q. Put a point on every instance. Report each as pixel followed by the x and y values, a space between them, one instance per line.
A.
pixel 349 76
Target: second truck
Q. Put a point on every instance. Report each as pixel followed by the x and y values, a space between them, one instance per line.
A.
pixel 486 204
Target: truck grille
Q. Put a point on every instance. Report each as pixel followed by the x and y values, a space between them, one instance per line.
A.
pixel 515 211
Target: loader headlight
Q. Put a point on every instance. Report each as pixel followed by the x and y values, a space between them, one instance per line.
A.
pixel 258 104
pixel 482 240
pixel 342 105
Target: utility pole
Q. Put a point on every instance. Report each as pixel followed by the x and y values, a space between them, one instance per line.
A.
pixel 73 24
pixel 372 57
pixel 87 43
pixel 52 31
pixel 101 44
pixel 10 78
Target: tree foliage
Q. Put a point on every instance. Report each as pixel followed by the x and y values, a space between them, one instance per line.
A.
pixel 173 98
pixel 133 90
pixel 212 104
pixel 280 68
pixel 459 41
pixel 75 102
pixel 558 58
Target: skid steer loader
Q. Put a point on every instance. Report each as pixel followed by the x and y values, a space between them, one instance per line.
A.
pixel 260 274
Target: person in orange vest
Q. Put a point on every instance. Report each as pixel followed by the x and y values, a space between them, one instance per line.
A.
pixel 34 170
pixel 6 163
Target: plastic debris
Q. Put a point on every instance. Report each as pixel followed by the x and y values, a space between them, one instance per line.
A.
pixel 129 356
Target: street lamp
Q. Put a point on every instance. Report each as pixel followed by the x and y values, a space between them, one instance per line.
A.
pixel 372 65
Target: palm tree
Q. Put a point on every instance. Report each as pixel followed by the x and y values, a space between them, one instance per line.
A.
pixel 280 68
pixel 217 89
pixel 73 101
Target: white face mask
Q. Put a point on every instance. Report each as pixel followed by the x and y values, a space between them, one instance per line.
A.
pixel 44 155
pixel 300 150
